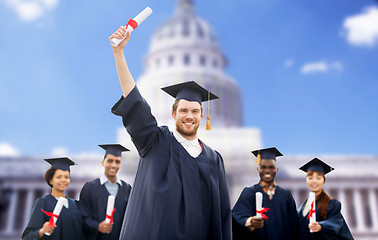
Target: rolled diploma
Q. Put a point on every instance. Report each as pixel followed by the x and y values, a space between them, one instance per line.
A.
pixel 109 207
pixel 57 210
pixel 139 19
pixel 311 198
pixel 259 197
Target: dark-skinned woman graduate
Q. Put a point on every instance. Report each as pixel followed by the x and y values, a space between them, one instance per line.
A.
pixel 69 222
pixel 329 224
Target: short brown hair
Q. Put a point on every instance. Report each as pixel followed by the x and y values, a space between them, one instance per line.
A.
pixel 49 175
pixel 175 104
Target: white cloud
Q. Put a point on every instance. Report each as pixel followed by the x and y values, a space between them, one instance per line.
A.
pixel 29 10
pixel 321 67
pixel 7 150
pixel 59 152
pixel 289 62
pixel 362 29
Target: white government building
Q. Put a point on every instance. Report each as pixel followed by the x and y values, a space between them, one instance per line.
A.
pixel 185 48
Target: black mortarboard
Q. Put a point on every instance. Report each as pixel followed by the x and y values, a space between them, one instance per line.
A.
pixel 266 153
pixel 191 91
pixel 114 149
pixel 317 165
pixel 62 163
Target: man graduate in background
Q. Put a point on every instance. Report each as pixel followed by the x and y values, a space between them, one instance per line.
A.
pixel 279 219
pixel 94 197
pixel 180 189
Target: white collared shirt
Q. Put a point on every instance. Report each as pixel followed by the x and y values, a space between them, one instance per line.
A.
pixel 306 208
pixel 111 187
pixel 192 147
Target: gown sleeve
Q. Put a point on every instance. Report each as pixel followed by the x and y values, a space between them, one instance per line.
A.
pixel 243 208
pixel 36 221
pixel 138 120
pixel 334 222
pixel 86 208
pixel 293 218
pixel 225 200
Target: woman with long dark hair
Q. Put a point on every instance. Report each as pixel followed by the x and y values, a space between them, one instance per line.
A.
pixel 330 223
pixel 69 221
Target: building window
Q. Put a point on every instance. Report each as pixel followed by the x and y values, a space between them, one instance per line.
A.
pixel 170 60
pixel 215 63
pixel 199 31
pixel 186 59
pixel 202 60
pixel 185 28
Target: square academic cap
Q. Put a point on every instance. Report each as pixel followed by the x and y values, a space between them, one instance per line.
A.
pixel 114 149
pixel 62 163
pixel 317 165
pixel 189 91
pixel 266 153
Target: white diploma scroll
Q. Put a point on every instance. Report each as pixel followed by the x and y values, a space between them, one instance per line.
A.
pixel 138 19
pixel 259 197
pixel 311 199
pixel 58 209
pixel 109 207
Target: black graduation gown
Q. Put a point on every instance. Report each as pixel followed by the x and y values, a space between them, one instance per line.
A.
pixel 333 227
pixel 175 196
pixel 93 203
pixel 68 226
pixel 282 223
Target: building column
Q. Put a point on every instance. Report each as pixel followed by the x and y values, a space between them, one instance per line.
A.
pixel 359 210
pixel 295 193
pixel 373 209
pixel 28 205
pixel 12 211
pixel 344 204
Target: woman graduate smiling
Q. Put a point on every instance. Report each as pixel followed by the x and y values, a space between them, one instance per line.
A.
pixel 69 222
pixel 329 224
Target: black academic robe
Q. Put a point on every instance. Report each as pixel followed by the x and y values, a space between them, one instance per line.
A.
pixel 282 222
pixel 93 203
pixel 334 226
pixel 68 226
pixel 175 196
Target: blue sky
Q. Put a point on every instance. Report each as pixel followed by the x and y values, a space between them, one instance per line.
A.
pixel 307 70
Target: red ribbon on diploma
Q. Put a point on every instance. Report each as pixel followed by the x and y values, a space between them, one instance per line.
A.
pixel 132 23
pixel 262 213
pixel 51 221
pixel 312 210
pixel 110 217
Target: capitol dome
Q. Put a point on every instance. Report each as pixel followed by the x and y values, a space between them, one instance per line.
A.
pixel 182 49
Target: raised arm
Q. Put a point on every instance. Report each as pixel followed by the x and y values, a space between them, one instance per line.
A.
pixel 125 78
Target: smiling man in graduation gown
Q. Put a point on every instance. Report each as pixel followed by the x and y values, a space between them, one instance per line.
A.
pixel 94 197
pixel 180 189
pixel 279 221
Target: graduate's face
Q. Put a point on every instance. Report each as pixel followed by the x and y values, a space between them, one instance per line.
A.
pixel 60 180
pixel 187 117
pixel 111 164
pixel 315 181
pixel 267 170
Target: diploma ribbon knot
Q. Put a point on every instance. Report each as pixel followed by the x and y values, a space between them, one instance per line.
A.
pixel 110 217
pixel 262 213
pixel 132 23
pixel 51 221
pixel 312 211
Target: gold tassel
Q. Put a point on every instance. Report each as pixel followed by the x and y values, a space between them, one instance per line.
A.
pixel 258 160
pixel 208 125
